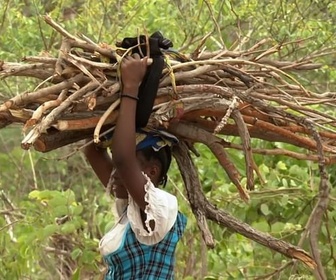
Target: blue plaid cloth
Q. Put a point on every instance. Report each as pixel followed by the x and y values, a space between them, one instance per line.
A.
pixel 136 261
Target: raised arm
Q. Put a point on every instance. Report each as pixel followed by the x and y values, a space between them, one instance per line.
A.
pixel 123 149
pixel 100 162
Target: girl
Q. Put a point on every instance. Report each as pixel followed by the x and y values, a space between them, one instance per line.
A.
pixel 142 243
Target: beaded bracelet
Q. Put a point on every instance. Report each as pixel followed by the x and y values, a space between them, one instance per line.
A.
pixel 129 96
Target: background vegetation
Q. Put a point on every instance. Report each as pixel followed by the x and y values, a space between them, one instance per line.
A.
pixel 52 208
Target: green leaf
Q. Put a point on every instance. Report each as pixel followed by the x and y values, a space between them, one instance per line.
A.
pixel 281 165
pixel 34 194
pixel 76 274
pixel 264 169
pixel 70 196
pixel 248 248
pixel 284 183
pixel 262 226
pixel 68 227
pixel 76 210
pixel 284 200
pixel 277 227
pixel 76 253
pixel 60 211
pixel 264 209
pixel 57 201
pixel 88 256
pixel 50 230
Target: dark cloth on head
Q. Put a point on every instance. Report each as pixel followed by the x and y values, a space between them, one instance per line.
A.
pixel 156 144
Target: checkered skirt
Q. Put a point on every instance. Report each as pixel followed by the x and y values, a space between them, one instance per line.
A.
pixel 135 261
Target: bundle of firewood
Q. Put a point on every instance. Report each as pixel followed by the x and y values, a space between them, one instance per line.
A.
pixel 201 97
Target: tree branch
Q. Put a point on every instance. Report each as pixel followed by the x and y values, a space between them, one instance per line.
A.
pixel 193 186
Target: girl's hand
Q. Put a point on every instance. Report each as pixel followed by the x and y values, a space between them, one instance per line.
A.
pixel 133 70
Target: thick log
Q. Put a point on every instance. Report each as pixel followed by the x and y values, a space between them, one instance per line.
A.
pixel 55 139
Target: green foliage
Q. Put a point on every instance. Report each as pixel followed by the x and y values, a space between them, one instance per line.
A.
pixel 57 211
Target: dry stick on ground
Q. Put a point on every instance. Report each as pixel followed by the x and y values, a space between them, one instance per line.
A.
pixel 200 204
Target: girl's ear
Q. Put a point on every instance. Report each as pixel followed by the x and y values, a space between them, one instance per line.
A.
pixel 154 172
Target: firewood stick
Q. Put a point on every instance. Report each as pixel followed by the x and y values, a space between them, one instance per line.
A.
pixel 232 106
pixel 93 64
pixel 323 117
pixel 250 165
pixel 81 67
pixel 199 89
pixel 292 137
pixel 25 98
pixel 194 199
pixel 106 52
pixel 84 123
pixel 14 116
pixel 202 136
pixel 40 59
pixel 50 118
pixel 76 127
pixel 103 119
pixel 210 63
pixel 189 74
pixel 39 111
pixel 254 131
pixel 55 139
pixel 59 29
pixel 18 69
pixel 230 169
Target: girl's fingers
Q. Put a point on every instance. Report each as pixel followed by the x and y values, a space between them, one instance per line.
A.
pixel 136 56
pixel 144 60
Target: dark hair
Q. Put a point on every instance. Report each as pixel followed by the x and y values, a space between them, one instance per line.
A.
pixel 163 156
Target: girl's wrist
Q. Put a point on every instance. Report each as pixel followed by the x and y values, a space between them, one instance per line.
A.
pixel 131 90
pixel 130 96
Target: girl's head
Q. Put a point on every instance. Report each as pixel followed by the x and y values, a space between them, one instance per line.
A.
pixel 154 153
pixel 155 163
pixel 153 150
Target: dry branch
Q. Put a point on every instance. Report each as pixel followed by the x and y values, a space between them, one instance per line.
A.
pixel 200 204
